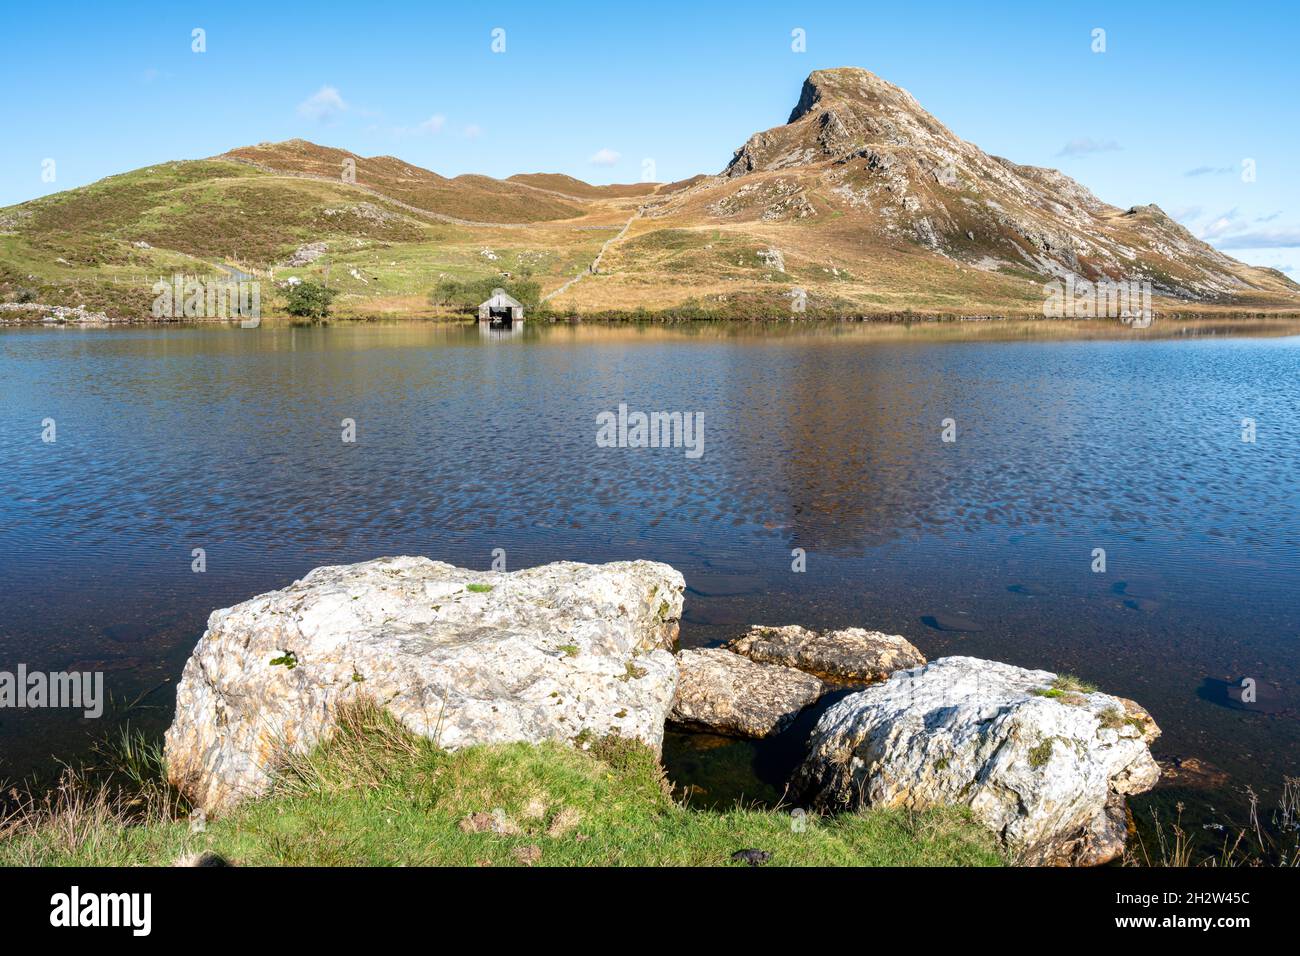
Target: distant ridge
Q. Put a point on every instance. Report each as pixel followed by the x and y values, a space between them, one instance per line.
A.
pixel 861 204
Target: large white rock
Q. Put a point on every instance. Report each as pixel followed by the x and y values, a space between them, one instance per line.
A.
pixel 554 652
pixel 1044 767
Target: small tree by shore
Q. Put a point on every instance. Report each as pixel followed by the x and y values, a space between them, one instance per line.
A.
pixel 309 300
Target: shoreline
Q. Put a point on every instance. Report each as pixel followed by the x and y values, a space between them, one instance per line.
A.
pixel 1164 324
pixel 568 657
pixel 502 780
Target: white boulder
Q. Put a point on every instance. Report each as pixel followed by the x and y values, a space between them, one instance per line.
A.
pixel 1042 762
pixel 560 652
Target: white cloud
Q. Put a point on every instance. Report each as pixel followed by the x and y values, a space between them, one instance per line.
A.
pixel 1085 146
pixel 1210 171
pixel 323 105
pixel 1264 239
pixel 1231 230
pixel 1284 258
pixel 430 127
pixel 473 132
pixel 1220 225
pixel 605 157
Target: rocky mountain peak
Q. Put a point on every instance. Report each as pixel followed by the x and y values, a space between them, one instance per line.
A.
pixel 851 87
pixel 858 149
pixel 840 113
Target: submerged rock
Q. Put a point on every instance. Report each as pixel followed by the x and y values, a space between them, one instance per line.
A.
pixel 722 692
pixel 1192 772
pixel 850 655
pixel 1043 764
pixel 557 652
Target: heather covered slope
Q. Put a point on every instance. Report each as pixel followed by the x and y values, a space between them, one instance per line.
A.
pixel 862 204
pixel 467 198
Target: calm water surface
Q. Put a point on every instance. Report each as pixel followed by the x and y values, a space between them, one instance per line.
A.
pixel 226 439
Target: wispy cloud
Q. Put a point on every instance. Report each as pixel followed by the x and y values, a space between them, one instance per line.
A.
pixel 1221 225
pixel 1185 214
pixel 1232 230
pixel 323 106
pixel 605 157
pixel 473 131
pixel 1262 239
pixel 1211 171
pixel 430 127
pixel 1086 147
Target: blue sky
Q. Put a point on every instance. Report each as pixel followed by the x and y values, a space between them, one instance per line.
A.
pixel 1181 97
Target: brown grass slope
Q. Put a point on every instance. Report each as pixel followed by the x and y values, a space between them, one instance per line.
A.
pixel 862 204
pixel 468 198
pixel 875 205
pixel 568 186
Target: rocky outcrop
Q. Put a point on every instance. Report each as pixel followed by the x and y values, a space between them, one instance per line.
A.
pixel 306 254
pixel 851 655
pixel 724 693
pixel 772 258
pixel 20 313
pixel 884 167
pixel 1042 762
pixel 565 651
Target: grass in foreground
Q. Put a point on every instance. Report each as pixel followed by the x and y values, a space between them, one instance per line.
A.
pixel 378 795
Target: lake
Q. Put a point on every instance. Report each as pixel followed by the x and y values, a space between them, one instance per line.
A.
pixel 829 440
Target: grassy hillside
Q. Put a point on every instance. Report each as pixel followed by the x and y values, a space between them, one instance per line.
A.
pixel 470 198
pixel 567 185
pixel 376 795
pixel 862 206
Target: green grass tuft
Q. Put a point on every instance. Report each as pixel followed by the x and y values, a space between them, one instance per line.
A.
pixel 1070 684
